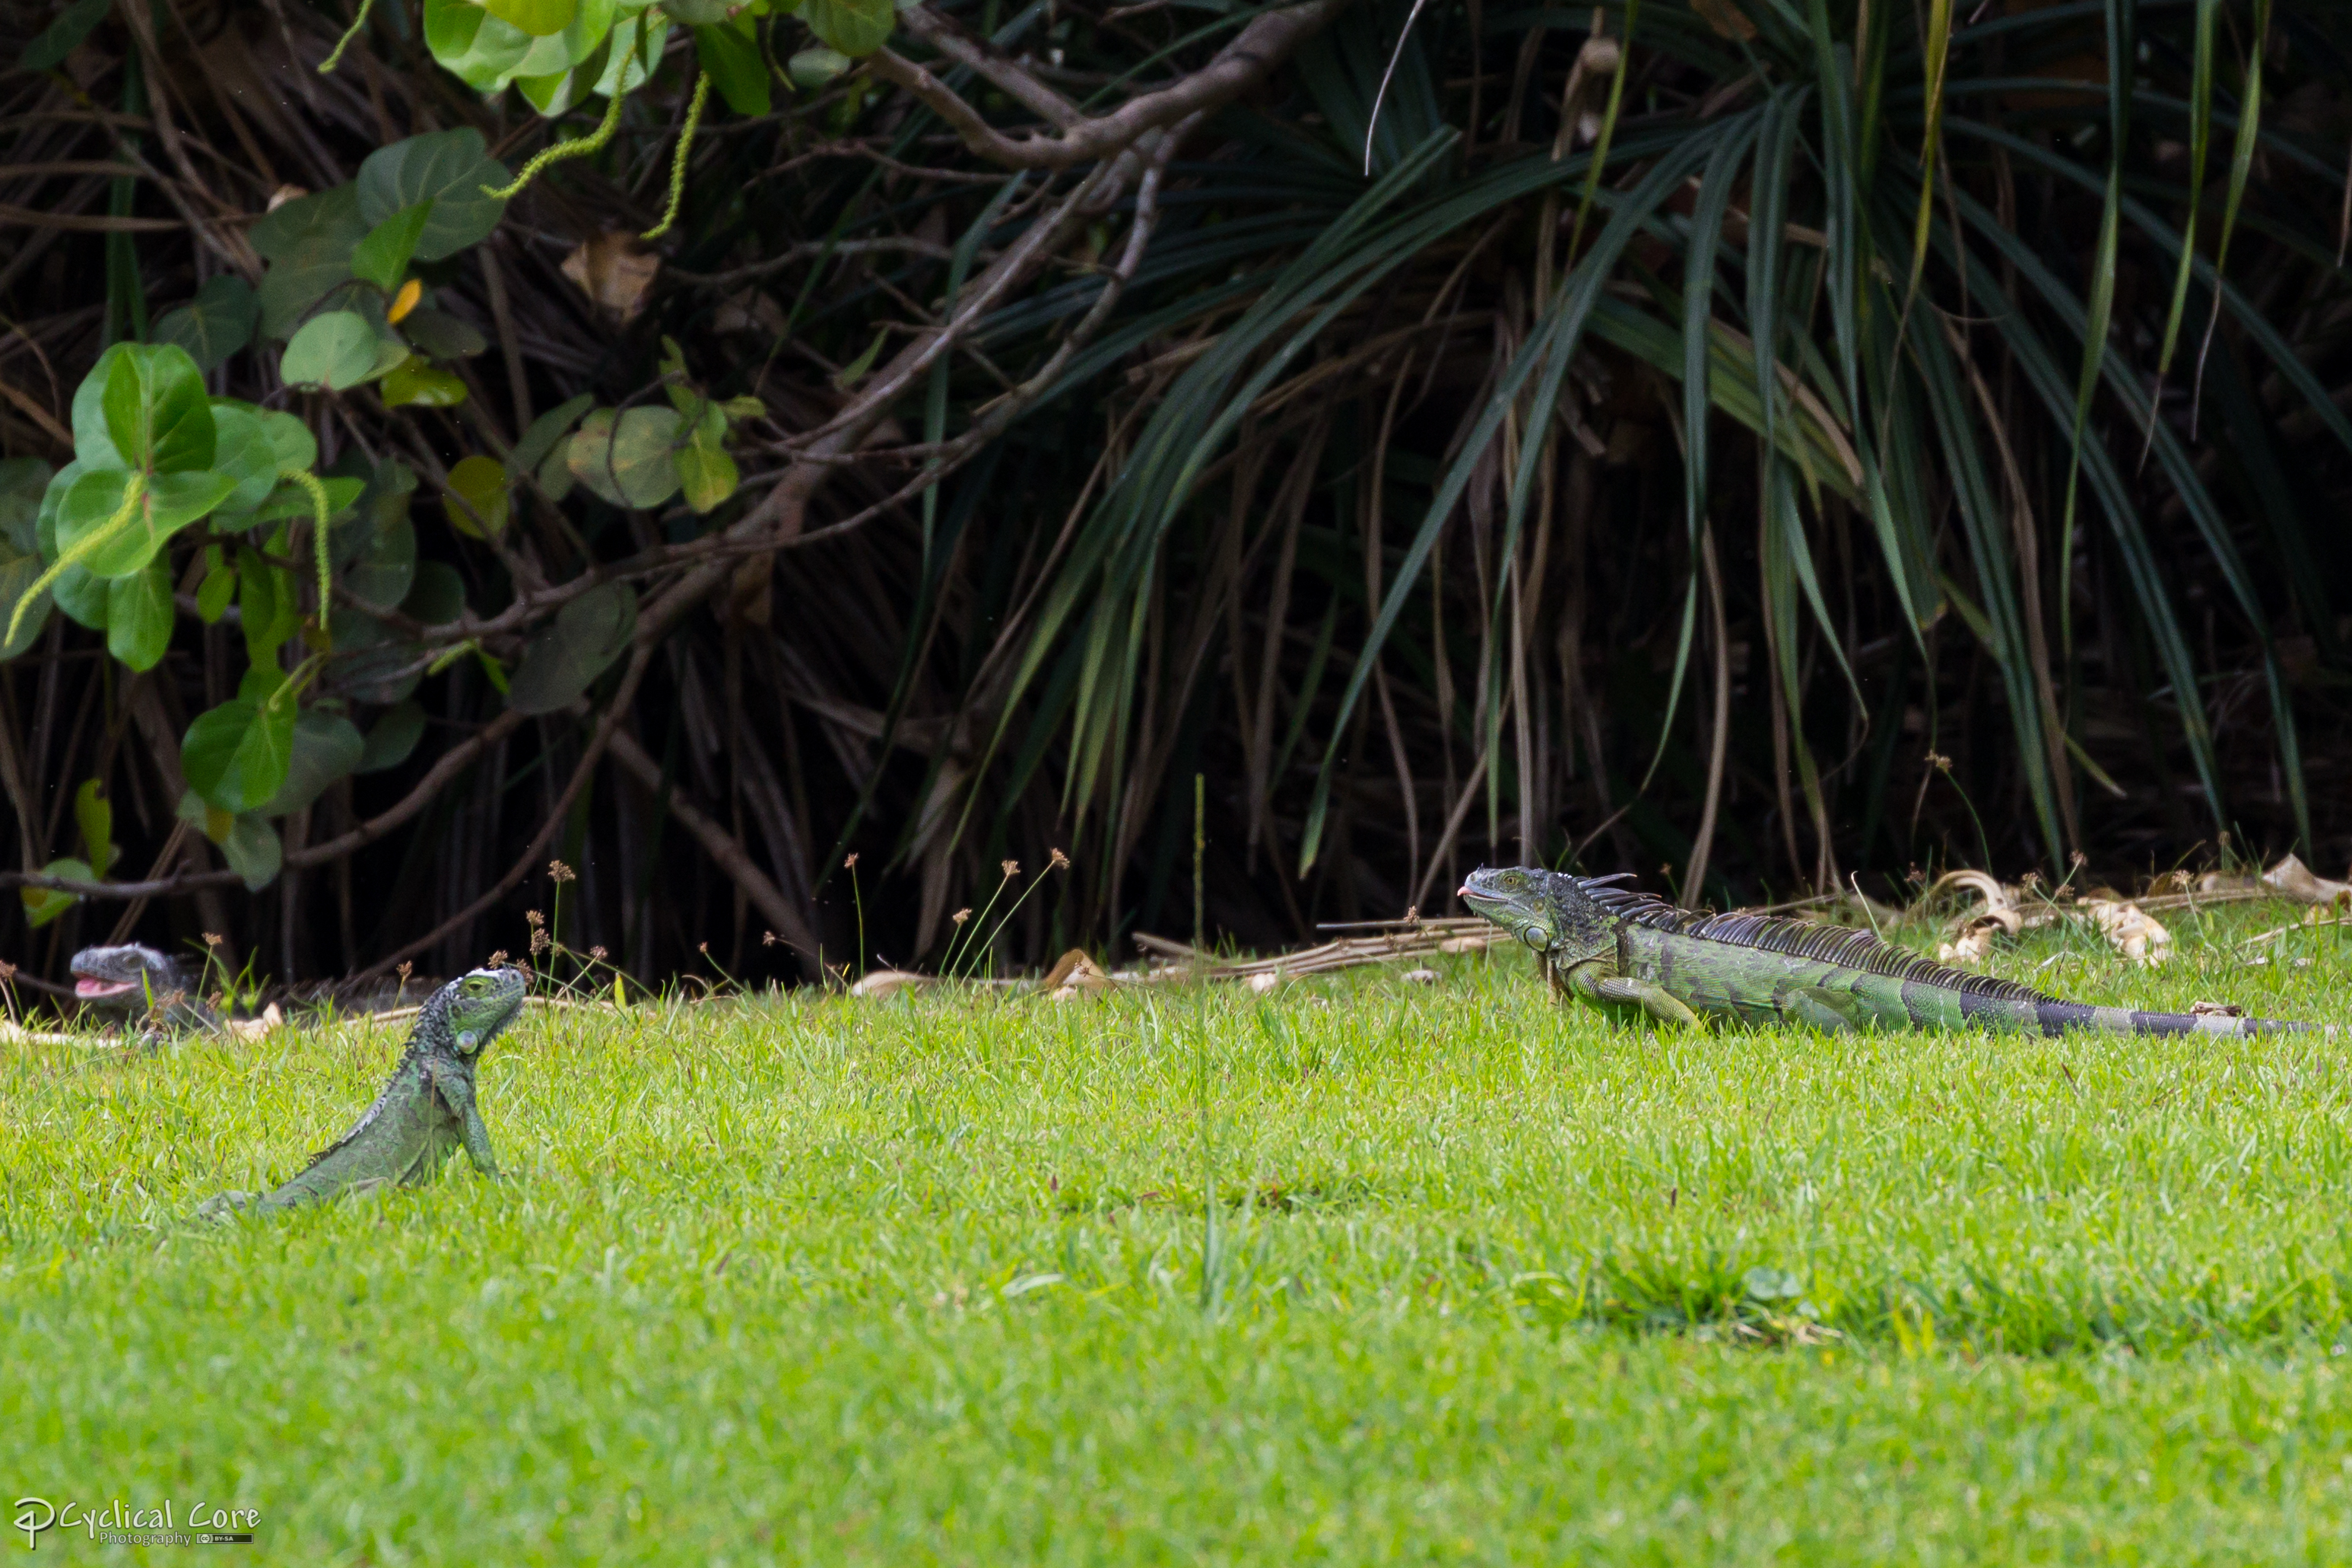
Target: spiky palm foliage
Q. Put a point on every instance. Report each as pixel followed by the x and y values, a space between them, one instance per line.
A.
pixel 1398 454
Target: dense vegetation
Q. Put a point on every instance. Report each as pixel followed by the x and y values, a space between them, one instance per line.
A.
pixel 1014 413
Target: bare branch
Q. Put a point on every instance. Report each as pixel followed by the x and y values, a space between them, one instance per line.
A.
pixel 1238 67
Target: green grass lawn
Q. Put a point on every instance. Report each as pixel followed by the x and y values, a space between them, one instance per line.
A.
pixel 933 1279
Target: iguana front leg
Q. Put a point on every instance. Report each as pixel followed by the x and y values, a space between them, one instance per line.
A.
pixel 458 1093
pixel 1596 983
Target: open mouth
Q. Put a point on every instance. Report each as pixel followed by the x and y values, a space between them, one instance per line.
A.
pixel 90 988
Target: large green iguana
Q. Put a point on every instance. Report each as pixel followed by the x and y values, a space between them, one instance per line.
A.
pixel 1632 953
pixel 424 1114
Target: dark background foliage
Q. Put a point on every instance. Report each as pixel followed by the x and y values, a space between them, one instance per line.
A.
pixel 1399 475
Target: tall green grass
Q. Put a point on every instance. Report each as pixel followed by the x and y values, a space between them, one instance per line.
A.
pixel 930 1279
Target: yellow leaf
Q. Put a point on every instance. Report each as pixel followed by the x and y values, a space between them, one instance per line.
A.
pixel 405 301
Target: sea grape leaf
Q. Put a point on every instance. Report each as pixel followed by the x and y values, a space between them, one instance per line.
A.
pixel 381 259
pixel 307 243
pixel 853 26
pixel 139 614
pixel 586 635
pixel 156 411
pixel 737 67
pixel 217 323
pixel 392 738
pixel 445 168
pixel 326 747
pixel 236 755
pixel 336 351
pixel 536 18
pixel 477 500
pixel 415 381
pixel 627 459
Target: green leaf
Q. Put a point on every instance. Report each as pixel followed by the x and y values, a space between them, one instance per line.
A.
pixel 22 483
pixel 853 26
pixel 736 65
pixel 308 243
pixel 699 14
pixel 217 323
pixel 168 503
pixel 266 607
pixel 708 474
pixel 587 636
pixel 244 450
pixel 237 754
pixel 628 460
pixel 394 737
pixel 373 663
pixel 157 414
pixel 415 381
pixel 555 469
pixel 337 351
pixel 537 17
pixel 43 905
pixel 475 47
pixel 139 615
pixel 382 573
pixel 254 852
pixel 811 68
pixel 94 814
pixel 555 83
pixel 292 439
pixel 545 430
pixel 441 334
pixel 437 596
pixel 61 38
pixel 80 596
pixel 448 169
pixel 477 500
pixel 381 259
pixel 293 502
pixel 213 593
pixel 326 747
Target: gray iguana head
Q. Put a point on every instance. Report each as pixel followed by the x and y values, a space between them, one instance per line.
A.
pixel 129 976
pixel 466 1014
pixel 1549 911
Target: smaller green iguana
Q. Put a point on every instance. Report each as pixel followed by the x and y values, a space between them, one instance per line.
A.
pixel 1632 953
pixel 424 1113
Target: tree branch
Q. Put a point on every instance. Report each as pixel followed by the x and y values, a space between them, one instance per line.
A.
pixel 1238 67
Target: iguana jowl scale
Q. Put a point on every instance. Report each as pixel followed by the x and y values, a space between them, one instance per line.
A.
pixel 427 1111
pixel 1626 951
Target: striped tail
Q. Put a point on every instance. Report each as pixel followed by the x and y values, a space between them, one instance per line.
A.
pixel 2057 1017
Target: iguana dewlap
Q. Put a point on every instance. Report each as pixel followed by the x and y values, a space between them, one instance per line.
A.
pixel 425 1113
pixel 1629 952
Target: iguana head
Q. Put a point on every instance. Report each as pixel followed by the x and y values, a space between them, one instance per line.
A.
pixel 470 1011
pixel 1550 912
pixel 126 976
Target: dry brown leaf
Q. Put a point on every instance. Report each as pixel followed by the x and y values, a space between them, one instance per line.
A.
pixel 1973 945
pixel 1727 19
pixel 887 982
pixel 1073 975
pixel 614 270
pixel 2216 1010
pixel 2130 930
pixel 2290 879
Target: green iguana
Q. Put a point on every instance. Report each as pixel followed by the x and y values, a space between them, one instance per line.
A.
pixel 1631 952
pixel 424 1114
pixel 141 986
